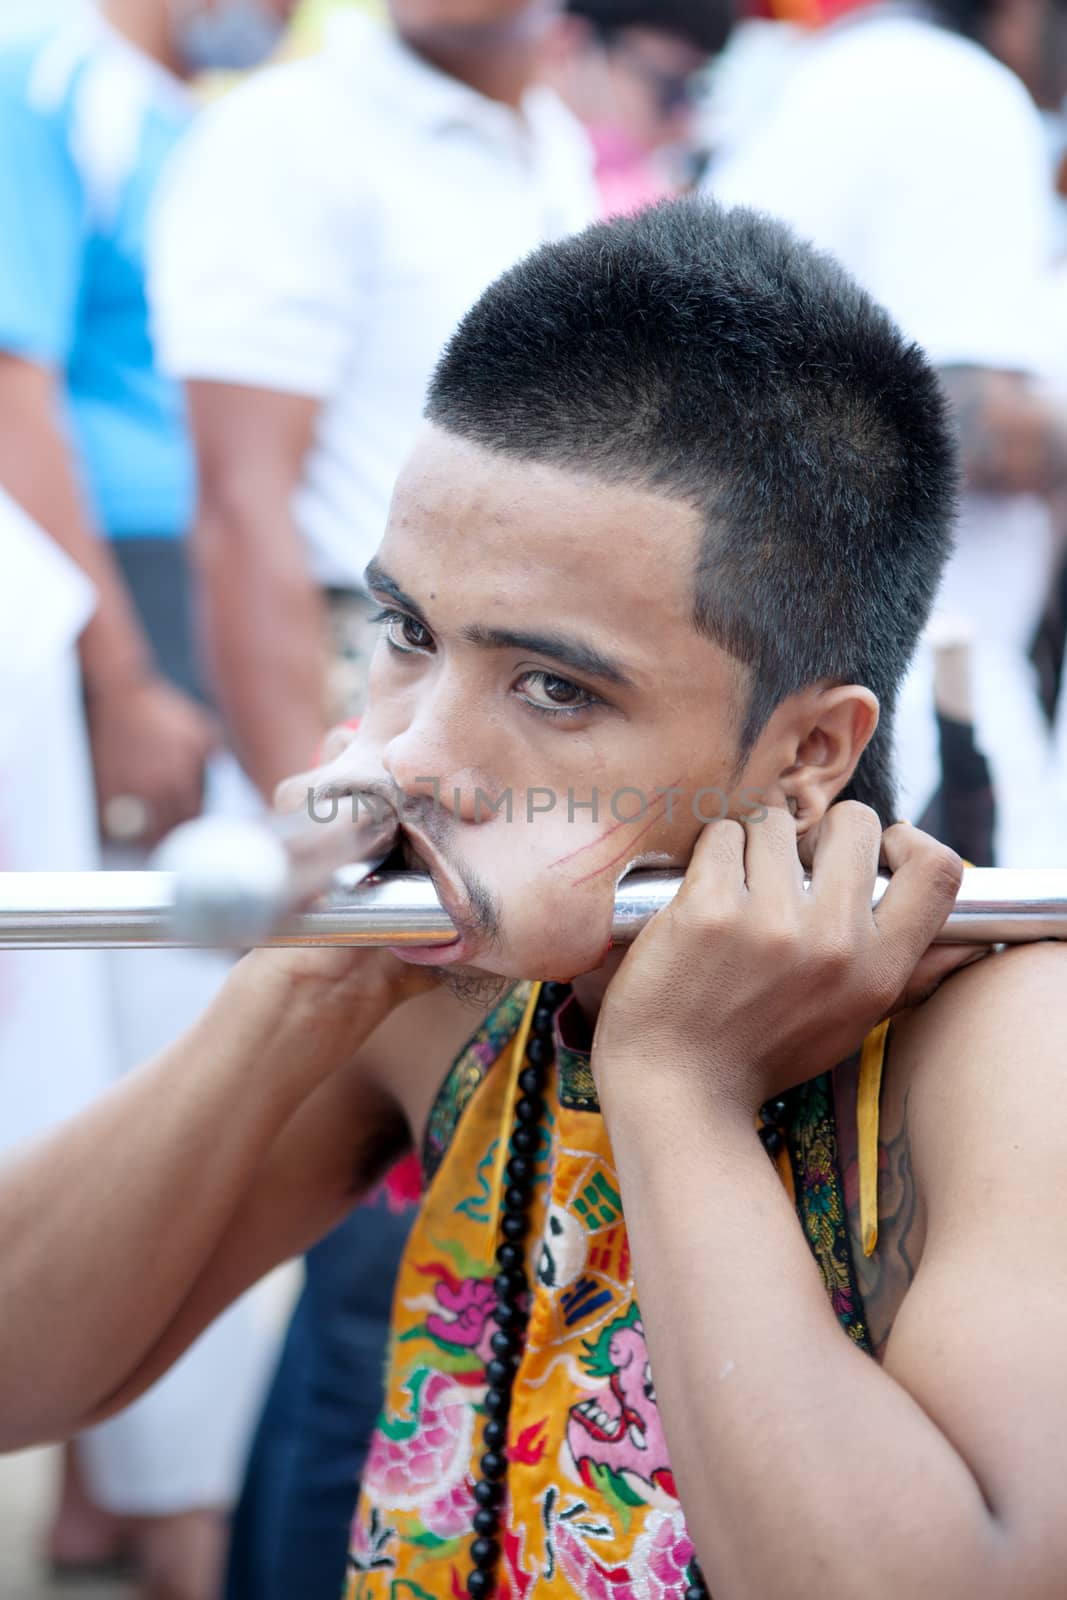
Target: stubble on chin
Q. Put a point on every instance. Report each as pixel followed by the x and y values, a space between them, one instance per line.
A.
pixel 481 991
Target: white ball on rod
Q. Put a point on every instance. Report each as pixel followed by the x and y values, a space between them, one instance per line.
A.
pixel 231 881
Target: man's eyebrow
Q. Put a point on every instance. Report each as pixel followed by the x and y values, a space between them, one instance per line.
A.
pixel 378 579
pixel 570 652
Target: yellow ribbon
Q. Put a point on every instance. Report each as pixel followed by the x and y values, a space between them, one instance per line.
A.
pixel 868 1101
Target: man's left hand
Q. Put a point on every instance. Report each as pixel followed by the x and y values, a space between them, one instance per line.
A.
pixel 749 984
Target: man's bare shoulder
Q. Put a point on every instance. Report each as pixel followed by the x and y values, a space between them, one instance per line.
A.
pixel 412 1052
pixel 973 1290
pixel 973 1093
pixel 987 1054
pixel 996 1030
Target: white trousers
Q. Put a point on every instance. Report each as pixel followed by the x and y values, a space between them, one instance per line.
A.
pixel 71 1023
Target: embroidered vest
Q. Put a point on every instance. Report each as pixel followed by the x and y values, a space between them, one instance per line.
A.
pixel 592 1508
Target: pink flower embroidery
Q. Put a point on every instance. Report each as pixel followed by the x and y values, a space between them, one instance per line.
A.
pixel 451 1515
pixel 587 1577
pixel 418 1462
pixel 662 1555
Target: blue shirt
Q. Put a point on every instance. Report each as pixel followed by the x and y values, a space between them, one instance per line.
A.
pixel 86 124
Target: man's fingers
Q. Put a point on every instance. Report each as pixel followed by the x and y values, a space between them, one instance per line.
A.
pixel 926 878
pixel 337 742
pixel 343 773
pixel 939 963
pixel 716 872
pixel 292 793
pixel 773 869
pixel 844 858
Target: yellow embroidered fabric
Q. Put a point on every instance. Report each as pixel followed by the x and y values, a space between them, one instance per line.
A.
pixel 592 1508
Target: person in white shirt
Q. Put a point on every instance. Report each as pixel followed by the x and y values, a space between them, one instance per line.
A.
pixel 916 156
pixel 321 235
pixel 95 451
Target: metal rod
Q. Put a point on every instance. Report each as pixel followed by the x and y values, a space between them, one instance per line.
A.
pixel 100 910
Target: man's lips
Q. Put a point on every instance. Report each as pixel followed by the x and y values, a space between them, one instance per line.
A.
pixel 433 955
pixel 418 856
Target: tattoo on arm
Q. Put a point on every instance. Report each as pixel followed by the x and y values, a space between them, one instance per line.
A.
pixel 886 1277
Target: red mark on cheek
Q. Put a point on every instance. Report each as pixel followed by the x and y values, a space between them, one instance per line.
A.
pixel 598 871
pixel 626 822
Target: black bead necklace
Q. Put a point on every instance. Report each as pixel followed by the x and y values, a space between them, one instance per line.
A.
pixel 510 1313
pixel 775 1118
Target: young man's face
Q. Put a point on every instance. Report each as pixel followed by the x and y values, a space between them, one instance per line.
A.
pixel 539 680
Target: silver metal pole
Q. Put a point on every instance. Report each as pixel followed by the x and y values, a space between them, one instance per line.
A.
pixel 100 910
pixel 112 910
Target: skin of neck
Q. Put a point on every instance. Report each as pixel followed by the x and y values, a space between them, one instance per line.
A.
pixel 146 24
pixel 590 989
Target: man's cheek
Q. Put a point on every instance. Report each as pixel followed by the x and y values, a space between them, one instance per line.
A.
pixel 559 934
pixel 524 860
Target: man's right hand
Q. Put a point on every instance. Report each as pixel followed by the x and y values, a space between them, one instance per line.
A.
pixel 331 773
pixel 150 743
pixel 335 988
pixel 350 970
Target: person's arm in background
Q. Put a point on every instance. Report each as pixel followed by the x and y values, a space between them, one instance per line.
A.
pixel 255 290
pixel 263 617
pixel 943 210
pixel 975 200
pixel 147 739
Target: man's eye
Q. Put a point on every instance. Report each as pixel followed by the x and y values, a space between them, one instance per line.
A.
pixel 554 696
pixel 404 633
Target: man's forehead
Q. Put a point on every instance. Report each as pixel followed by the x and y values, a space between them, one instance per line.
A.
pixel 485 520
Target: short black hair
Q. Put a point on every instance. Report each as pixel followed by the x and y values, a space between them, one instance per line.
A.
pixel 704 23
pixel 710 355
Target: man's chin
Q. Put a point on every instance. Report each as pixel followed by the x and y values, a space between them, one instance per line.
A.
pixel 467 973
pixel 464 966
pixel 473 987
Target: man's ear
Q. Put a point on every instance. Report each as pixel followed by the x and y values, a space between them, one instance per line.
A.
pixel 836 725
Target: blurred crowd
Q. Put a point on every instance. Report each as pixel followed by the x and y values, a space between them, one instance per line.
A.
pixel 233 241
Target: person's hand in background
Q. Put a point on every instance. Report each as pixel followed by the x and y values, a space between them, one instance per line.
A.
pixel 150 746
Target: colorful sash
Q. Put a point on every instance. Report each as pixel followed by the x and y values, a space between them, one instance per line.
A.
pixel 592 1509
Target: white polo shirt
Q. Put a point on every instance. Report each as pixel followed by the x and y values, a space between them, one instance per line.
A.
pixel 919 161
pixel 323 230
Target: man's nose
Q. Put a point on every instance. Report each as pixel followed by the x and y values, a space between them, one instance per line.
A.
pixel 423 764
